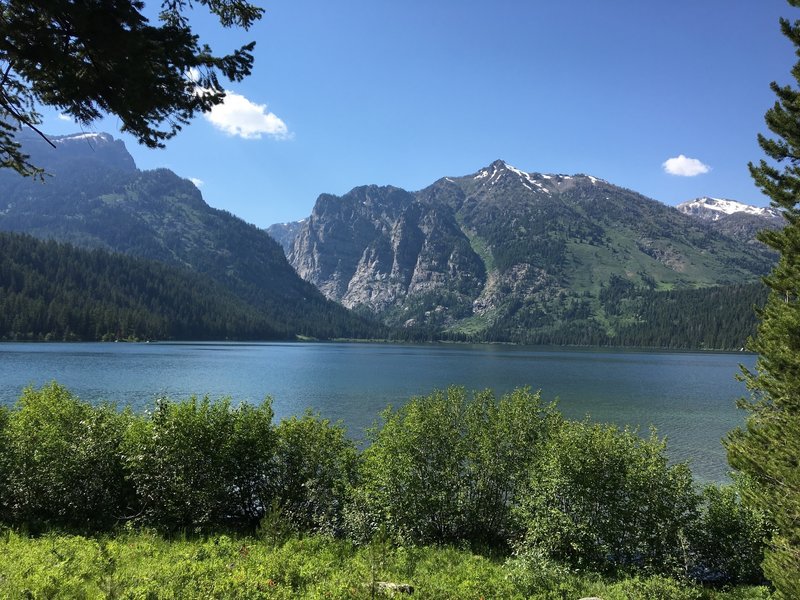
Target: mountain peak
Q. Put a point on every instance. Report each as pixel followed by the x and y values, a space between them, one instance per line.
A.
pixel 500 170
pixel 713 209
pixel 542 182
pixel 91 137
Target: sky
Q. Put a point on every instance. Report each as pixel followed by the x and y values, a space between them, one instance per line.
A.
pixel 665 98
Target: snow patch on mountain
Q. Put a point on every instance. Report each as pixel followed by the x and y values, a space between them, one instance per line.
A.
pixel 500 169
pixel 712 209
pixel 92 137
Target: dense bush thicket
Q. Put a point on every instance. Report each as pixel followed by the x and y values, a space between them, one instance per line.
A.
pixel 601 498
pixel 506 475
pixel 449 468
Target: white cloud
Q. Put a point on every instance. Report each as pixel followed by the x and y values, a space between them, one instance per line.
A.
pixel 198 183
pixel 193 74
pixel 239 116
pixel 685 166
pixel 63 117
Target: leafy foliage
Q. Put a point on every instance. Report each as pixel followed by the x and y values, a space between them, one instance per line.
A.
pixel 62 461
pixel 728 538
pixel 450 468
pixel 145 565
pixel 605 499
pixel 89 59
pixel 447 468
pixel 316 467
pixel 198 464
pixel 768 451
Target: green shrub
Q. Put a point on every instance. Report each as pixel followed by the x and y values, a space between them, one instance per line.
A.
pixel 657 588
pixel 605 499
pixel 315 469
pixel 62 461
pixel 449 468
pixel 200 464
pixel 5 514
pixel 728 538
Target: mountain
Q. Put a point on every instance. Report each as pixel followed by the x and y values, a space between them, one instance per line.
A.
pixel 284 233
pixel 503 254
pixel 53 291
pixel 714 209
pixel 734 219
pixel 93 196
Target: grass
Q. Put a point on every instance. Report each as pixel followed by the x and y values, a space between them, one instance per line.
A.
pixel 144 565
pixel 478 244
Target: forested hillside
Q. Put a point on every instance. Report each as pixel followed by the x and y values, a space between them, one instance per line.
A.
pixel 52 291
pixel 93 196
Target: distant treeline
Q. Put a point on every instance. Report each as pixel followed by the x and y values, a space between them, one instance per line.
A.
pixel 54 291
pixel 719 318
pixel 494 474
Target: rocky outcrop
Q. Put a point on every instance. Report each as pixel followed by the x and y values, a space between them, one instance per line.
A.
pixel 378 246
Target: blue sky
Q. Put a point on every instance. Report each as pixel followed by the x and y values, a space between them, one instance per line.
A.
pixel 402 93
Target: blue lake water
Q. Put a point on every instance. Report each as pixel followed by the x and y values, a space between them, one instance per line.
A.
pixel 689 397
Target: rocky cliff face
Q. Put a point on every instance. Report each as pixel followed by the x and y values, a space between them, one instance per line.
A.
pixel 376 246
pixel 284 233
pixel 502 248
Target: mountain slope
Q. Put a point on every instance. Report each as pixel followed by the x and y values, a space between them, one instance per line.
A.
pixel 378 245
pixel 55 291
pixel 737 220
pixel 284 233
pixel 95 197
pixel 501 253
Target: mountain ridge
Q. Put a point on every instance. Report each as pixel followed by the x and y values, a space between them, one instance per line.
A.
pixel 737 220
pixel 712 209
pixel 506 251
pixel 93 196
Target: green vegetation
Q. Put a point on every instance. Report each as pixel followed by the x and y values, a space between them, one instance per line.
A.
pixel 623 314
pixel 52 291
pixel 97 199
pixel 201 498
pixel 605 499
pixel 768 450
pixel 146 565
pixel 45 52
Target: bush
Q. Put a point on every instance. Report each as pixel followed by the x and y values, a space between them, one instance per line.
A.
pixel 449 468
pixel 199 464
pixel 62 461
pixel 316 467
pixel 606 499
pixel 5 515
pixel 728 538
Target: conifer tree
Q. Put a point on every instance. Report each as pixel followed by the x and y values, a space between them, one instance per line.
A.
pixel 105 57
pixel 768 450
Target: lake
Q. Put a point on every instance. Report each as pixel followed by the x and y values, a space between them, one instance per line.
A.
pixel 689 396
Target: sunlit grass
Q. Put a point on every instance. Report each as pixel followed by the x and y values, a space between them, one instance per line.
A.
pixel 146 565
